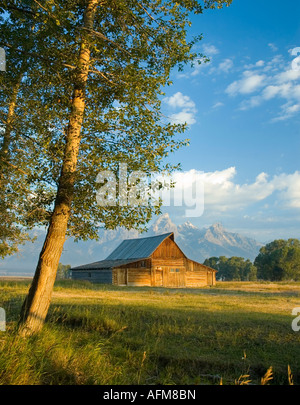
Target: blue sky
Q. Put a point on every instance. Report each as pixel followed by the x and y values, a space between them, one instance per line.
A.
pixel 243 111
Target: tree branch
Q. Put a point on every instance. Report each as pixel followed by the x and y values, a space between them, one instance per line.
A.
pixel 22 10
pixel 102 36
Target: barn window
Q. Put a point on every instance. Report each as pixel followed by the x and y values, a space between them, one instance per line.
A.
pixel 142 263
pixel 172 270
pixel 89 274
pixel 177 270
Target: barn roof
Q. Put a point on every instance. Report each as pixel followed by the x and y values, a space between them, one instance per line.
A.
pixel 129 251
pixel 138 248
pixel 103 264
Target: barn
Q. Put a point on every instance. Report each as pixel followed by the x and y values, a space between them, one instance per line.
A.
pixel 155 261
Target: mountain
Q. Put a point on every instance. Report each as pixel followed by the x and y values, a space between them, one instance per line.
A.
pixel 197 243
pixel 200 244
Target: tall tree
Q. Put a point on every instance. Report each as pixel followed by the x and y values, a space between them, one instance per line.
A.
pixel 95 101
pixel 279 260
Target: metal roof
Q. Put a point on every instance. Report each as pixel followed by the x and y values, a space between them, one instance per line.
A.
pixel 103 264
pixel 138 248
pixel 129 251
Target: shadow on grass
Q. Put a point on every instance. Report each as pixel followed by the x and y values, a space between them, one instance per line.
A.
pixel 183 345
pixel 104 341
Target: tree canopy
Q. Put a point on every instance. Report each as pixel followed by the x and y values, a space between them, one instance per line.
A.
pixel 232 268
pixel 133 48
pixel 279 260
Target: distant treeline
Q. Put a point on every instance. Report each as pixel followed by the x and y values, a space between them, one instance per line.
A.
pixel 277 261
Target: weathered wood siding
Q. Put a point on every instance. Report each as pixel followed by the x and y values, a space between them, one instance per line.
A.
pixel 94 276
pixel 198 275
pixel 135 274
pixel 167 250
pixel 168 267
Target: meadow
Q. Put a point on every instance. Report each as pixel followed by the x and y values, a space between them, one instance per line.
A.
pixel 232 333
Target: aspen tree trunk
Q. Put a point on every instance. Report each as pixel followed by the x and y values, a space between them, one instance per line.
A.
pixel 36 304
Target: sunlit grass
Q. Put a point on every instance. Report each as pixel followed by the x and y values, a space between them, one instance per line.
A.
pixel 127 335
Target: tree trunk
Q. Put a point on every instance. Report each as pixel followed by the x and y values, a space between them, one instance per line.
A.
pixel 36 304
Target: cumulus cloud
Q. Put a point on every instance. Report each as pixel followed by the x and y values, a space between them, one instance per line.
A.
pixel 220 192
pixel 225 66
pixel 248 84
pixel 179 100
pixel 186 106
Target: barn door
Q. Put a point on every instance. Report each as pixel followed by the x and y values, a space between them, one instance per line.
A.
pixel 122 276
pixel 158 279
pixel 174 277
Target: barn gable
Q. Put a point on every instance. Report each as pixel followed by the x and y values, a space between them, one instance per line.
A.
pixel 167 249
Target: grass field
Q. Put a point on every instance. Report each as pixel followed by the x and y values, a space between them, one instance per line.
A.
pixel 231 333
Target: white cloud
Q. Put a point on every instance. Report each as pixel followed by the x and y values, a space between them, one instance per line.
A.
pixel 223 194
pixel 183 117
pixel 291 189
pixel 273 47
pixel 259 63
pixel 254 101
pixel 269 80
pixel 198 67
pixel 218 104
pixel 287 76
pixel 248 84
pixel 179 100
pixel 226 65
pixel 210 50
pixel 287 111
pixel 186 106
pixel 223 67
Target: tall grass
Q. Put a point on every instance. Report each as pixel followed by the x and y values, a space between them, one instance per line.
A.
pixel 239 333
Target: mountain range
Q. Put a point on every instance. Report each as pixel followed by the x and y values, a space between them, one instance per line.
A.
pixel 201 243
pixel 197 243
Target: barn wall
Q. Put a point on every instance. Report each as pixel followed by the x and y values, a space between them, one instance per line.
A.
pixel 196 279
pixel 139 277
pixel 138 274
pixel 198 275
pixel 94 276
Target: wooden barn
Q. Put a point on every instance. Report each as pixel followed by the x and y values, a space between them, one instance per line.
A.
pixel 155 261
